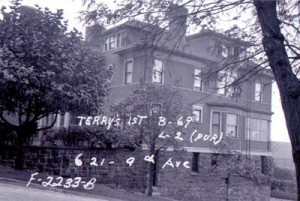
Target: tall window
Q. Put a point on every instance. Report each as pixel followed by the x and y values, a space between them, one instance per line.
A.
pixel 257 129
pixel 197 112
pixel 157 75
pixel 231 127
pixel 258 92
pixel 128 71
pixel 197 80
pixel 216 123
pixel 226 78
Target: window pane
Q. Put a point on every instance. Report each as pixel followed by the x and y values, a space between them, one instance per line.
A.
pixel 224 51
pixel 216 121
pixel 113 41
pixel 118 39
pixel 216 118
pixel 231 131
pixel 258 129
pixel 197 79
pixel 197 115
pixel 258 91
pixel 215 129
pixel 225 79
pixel 264 125
pixel 158 65
pixel 157 71
pixel 107 43
pixel 232 119
pixel 231 125
pixel 128 72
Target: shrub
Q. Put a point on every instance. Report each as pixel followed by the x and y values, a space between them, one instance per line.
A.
pixel 7 137
pixel 283 195
pixel 284 185
pixel 284 174
pixel 91 137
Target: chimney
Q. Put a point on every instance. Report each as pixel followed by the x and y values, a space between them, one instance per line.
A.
pixel 93 34
pixel 177 16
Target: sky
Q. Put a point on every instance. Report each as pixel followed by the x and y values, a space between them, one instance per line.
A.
pixel 71 11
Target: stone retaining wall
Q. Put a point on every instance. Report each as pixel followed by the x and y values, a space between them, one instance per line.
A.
pixel 180 183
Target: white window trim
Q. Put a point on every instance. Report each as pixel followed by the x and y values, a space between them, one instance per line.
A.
pixel 237 125
pixel 124 72
pixel 163 71
pixel 117 45
pixel 198 107
pixel 247 124
pixel 210 122
pixel 261 92
pixel 201 81
pixel 224 49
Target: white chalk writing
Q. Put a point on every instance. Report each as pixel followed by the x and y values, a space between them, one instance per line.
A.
pixel 62 182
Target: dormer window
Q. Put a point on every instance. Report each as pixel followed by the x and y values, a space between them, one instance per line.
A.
pixel 113 41
pixel 224 51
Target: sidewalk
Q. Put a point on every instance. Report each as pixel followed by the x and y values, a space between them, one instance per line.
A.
pixel 10 192
pixel 11 189
pixel 11 176
pixel 277 199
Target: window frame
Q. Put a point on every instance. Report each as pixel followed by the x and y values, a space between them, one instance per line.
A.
pixel 113 41
pixel 258 93
pixel 126 73
pixel 220 122
pixel 198 108
pixel 197 78
pixel 224 50
pixel 154 70
pixel 236 126
pixel 226 78
pixel 261 132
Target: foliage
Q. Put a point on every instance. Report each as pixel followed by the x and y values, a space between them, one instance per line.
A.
pixel 143 102
pixel 7 136
pixel 283 195
pixel 284 185
pixel 45 69
pixel 91 137
pixel 283 174
pixel 232 161
pixel 152 102
pixel 244 166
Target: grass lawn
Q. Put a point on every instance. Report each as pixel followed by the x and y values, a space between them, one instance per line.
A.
pixel 100 189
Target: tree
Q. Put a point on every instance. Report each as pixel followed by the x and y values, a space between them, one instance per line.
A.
pixel 45 69
pixel 145 115
pixel 270 27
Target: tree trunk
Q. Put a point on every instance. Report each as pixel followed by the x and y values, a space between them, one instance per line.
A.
pixel 150 179
pixel 296 157
pixel 287 82
pixel 151 172
pixel 19 161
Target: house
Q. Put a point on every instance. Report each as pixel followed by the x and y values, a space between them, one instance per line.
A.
pixel 205 68
pixel 143 53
